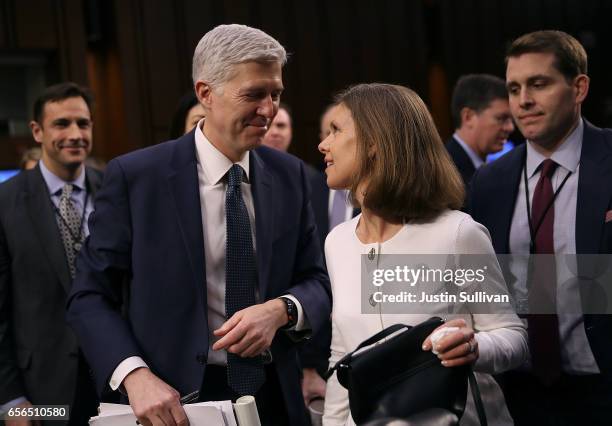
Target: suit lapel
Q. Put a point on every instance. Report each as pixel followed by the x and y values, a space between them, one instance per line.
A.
pixel 465 165
pixel 593 194
pixel 93 181
pixel 261 182
pixel 184 187
pixel 44 222
pixel 505 197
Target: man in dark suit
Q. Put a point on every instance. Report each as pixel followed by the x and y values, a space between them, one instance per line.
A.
pixel 561 172
pixel 482 121
pixel 214 242
pixel 43 215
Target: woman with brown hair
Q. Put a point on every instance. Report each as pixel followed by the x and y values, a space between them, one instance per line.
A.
pixel 385 148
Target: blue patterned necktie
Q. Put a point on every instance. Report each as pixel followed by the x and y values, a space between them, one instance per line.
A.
pixel 244 375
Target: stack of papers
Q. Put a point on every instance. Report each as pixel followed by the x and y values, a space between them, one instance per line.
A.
pixel 215 413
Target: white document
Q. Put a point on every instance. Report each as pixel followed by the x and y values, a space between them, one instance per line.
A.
pixel 217 413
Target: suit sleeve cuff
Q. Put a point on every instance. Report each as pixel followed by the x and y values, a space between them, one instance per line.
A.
pixel 302 322
pixel 124 368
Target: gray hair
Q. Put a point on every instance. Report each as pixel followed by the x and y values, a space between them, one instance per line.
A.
pixel 225 46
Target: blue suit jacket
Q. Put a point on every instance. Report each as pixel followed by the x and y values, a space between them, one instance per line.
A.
pixel 493 194
pixel 146 243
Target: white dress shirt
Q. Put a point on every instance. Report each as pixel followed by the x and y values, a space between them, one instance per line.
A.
pixel 576 354
pixel 212 168
pixel 79 196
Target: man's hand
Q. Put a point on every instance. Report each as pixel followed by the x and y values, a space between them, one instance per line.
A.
pixel 250 331
pixel 457 348
pixel 313 386
pixel 153 401
pixel 19 420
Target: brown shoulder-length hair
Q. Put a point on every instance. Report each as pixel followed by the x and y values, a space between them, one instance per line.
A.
pixel 400 155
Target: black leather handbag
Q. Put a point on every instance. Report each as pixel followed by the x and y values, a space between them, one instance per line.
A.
pixel 397 378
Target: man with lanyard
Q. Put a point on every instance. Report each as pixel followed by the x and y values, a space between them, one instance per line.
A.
pixel 548 197
pixel 43 222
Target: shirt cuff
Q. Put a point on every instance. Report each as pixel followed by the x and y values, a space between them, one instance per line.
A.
pixel 302 322
pixel 484 363
pixel 12 403
pixel 124 368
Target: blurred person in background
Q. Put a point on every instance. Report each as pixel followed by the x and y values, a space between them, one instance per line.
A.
pixel 481 115
pixel 280 133
pixel 30 158
pixel 187 114
pixel 43 222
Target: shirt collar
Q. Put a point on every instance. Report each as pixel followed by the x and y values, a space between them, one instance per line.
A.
pixel 476 160
pixel 567 155
pixel 214 164
pixel 55 183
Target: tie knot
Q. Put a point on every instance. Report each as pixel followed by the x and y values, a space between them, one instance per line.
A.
pixel 67 191
pixel 234 175
pixel 548 167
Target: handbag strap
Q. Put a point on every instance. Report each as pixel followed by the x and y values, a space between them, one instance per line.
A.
pixel 381 335
pixel 482 417
pixel 370 341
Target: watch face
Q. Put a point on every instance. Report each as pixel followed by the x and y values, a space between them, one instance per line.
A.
pixel 291 311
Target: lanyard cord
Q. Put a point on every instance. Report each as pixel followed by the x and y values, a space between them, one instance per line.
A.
pixel 534 232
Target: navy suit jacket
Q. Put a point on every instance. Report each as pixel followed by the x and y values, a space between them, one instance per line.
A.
pixel 320 200
pixel 461 159
pixel 34 284
pixel 147 241
pixel 493 194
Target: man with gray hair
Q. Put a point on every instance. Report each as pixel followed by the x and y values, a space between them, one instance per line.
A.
pixel 212 239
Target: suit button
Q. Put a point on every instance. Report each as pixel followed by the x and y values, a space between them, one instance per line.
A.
pixel 372 301
pixel 372 254
pixel 201 358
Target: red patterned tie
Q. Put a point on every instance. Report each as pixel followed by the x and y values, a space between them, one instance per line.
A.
pixel 543 322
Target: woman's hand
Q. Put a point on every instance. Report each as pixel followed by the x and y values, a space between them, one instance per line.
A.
pixel 456 348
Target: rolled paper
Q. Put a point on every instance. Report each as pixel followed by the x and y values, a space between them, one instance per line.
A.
pixel 246 411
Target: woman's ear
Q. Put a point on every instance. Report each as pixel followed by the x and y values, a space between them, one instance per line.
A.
pixel 372 151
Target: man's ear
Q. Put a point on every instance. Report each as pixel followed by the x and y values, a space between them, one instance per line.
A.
pixel 204 93
pixel 467 114
pixel 581 87
pixel 37 131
